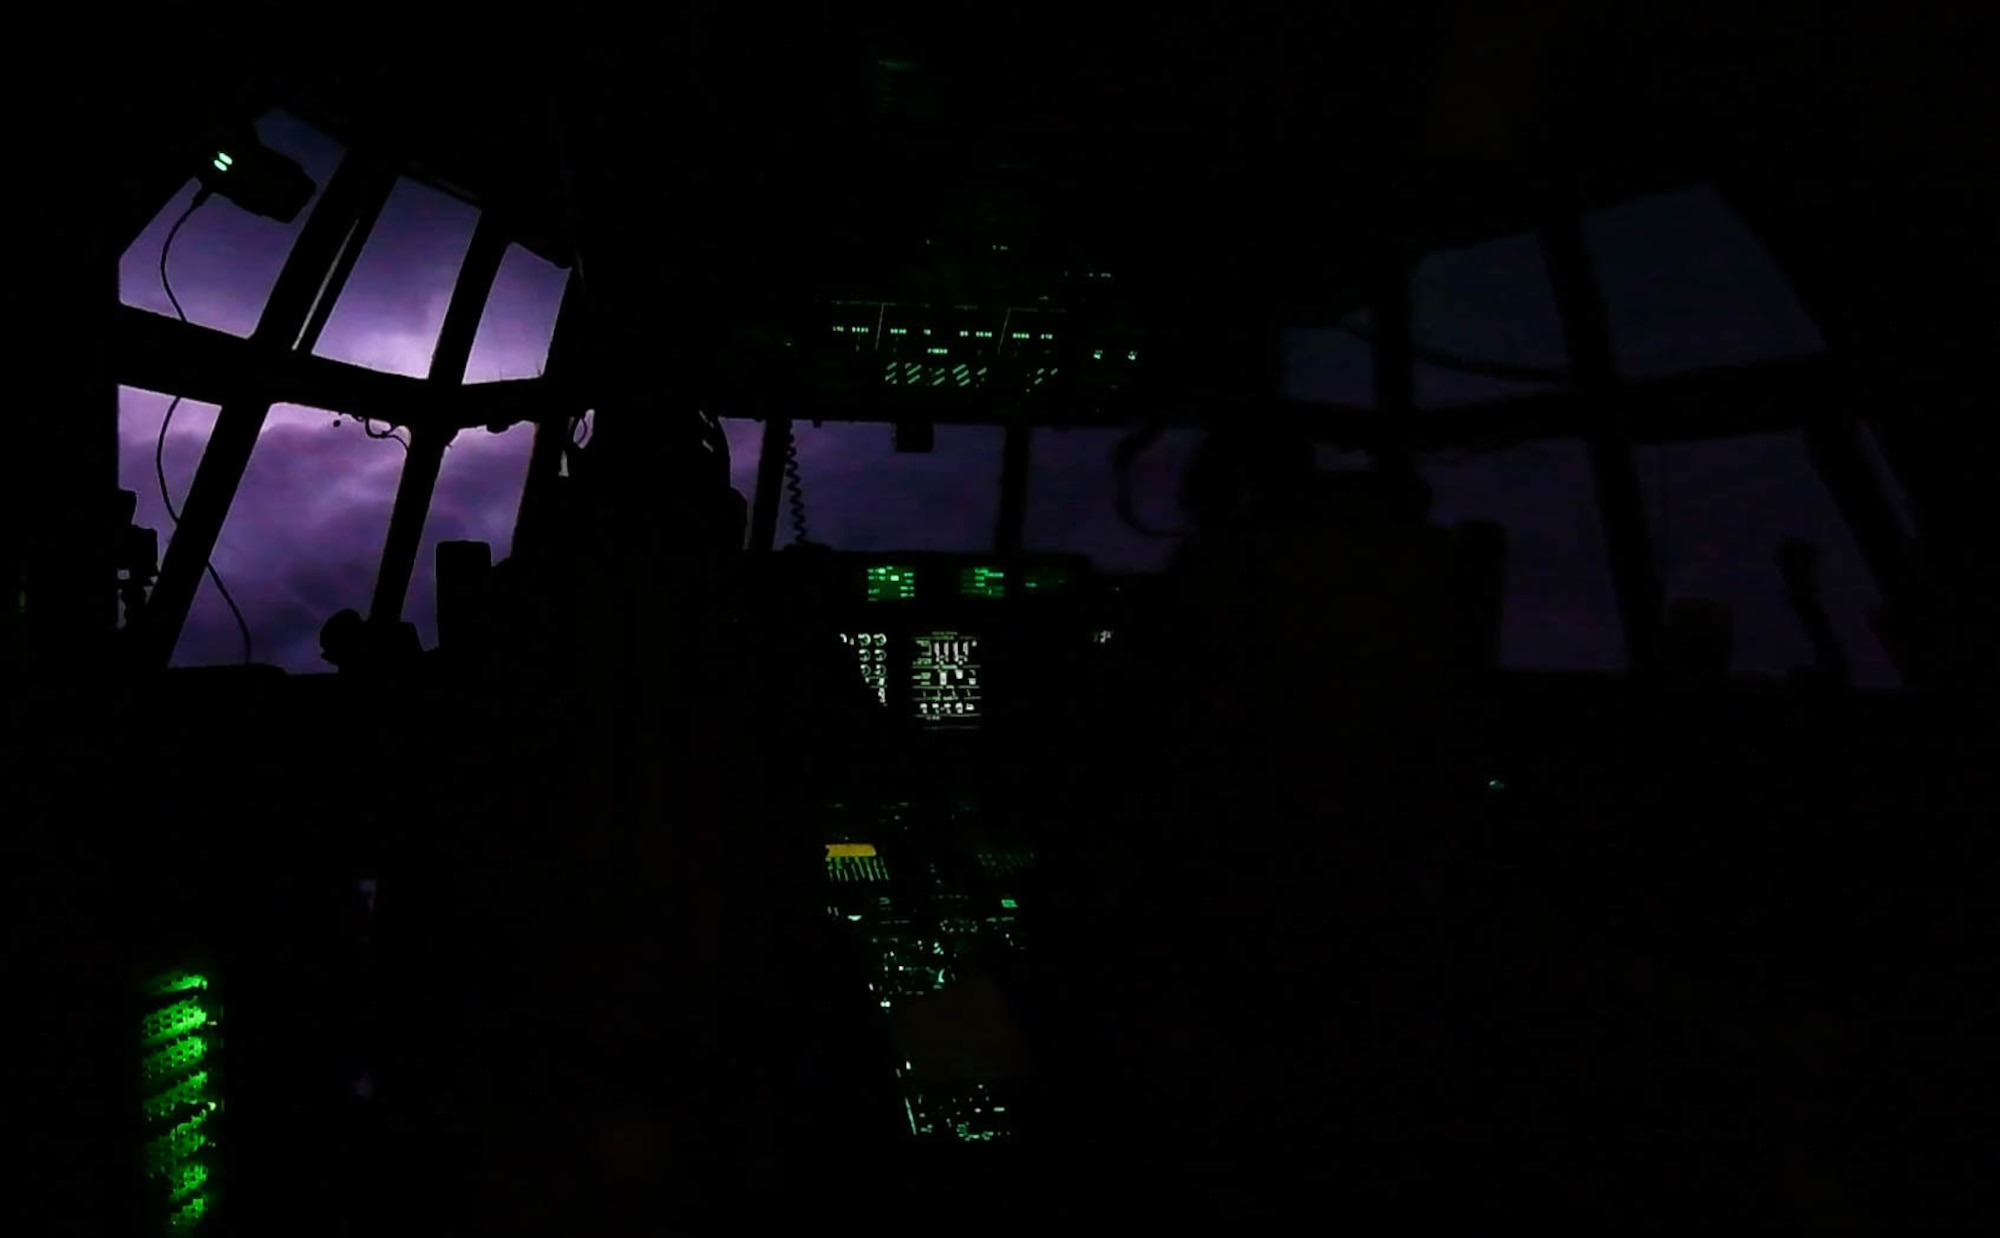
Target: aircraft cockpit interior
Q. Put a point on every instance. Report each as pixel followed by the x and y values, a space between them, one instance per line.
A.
pixel 952 617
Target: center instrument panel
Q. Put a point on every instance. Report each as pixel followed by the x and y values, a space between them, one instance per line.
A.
pixel 941 638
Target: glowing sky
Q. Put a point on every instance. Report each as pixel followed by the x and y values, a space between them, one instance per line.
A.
pixel 1686 284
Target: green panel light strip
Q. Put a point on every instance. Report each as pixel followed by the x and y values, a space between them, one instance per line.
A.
pixel 1005 862
pixel 179 1039
pixel 856 868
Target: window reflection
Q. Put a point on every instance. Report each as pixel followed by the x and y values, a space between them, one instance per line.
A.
pixel 746 448
pixel 1718 511
pixel 139 417
pixel 519 319
pixel 303 537
pixel 389 315
pixel 225 260
pixel 1889 479
pixel 1561 611
pixel 863 495
pixel 1491 302
pixel 477 497
pixel 1331 459
pixel 1686 285
pixel 1325 365
pixel 1071 491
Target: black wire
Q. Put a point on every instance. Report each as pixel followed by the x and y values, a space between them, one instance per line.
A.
pixel 367 425
pixel 368 428
pixel 160 443
pixel 795 487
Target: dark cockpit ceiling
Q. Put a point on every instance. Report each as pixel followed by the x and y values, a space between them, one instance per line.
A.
pixel 714 162
pixel 1203 153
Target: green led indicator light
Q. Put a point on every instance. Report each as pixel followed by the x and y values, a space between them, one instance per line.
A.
pixel 1009 904
pixel 850 869
pixel 189 1216
pixel 222 161
pixel 186 1180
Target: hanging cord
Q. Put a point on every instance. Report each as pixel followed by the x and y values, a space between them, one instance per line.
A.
pixel 160 442
pixel 795 488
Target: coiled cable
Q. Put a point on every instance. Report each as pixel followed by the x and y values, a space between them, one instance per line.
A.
pixel 795 488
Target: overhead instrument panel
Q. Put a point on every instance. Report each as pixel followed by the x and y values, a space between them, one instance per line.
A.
pixel 1018 349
